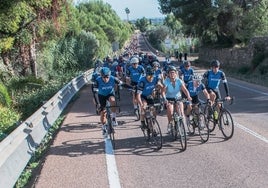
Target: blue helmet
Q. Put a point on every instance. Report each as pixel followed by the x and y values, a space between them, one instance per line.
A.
pixel 149 70
pixel 105 71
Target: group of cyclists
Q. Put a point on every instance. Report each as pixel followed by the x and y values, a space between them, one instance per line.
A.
pixel 145 75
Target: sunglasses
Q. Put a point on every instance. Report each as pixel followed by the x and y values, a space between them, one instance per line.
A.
pixel 105 76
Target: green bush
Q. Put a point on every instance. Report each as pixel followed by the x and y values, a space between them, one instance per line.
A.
pixel 243 70
pixel 5 99
pixel 263 69
pixel 8 120
pixel 29 102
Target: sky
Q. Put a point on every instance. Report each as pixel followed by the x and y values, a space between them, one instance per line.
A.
pixel 138 8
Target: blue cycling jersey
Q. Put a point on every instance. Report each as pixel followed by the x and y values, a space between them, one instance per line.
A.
pixel 214 79
pixel 166 66
pixel 158 72
pixel 173 91
pixel 106 88
pixel 187 74
pixel 194 91
pixel 111 67
pixel 145 87
pixel 95 75
pixel 135 73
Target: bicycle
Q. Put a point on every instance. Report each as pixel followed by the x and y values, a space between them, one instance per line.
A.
pixel 177 127
pixel 109 127
pixel 222 118
pixel 152 130
pixel 197 119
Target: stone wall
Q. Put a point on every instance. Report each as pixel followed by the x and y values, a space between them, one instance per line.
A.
pixel 232 56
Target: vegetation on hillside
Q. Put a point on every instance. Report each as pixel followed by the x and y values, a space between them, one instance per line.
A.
pixel 43 44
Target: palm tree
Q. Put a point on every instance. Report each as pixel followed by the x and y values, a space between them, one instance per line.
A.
pixel 127 12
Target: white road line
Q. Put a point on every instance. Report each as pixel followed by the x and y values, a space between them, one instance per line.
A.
pixel 111 165
pixel 252 132
pixel 249 89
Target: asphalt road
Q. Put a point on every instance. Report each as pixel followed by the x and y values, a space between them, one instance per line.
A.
pixel 81 157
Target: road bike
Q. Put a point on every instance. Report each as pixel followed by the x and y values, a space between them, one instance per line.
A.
pixel 197 119
pixel 152 132
pixel 217 114
pixel 177 125
pixel 109 127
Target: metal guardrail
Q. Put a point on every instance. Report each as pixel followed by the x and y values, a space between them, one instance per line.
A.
pixel 17 149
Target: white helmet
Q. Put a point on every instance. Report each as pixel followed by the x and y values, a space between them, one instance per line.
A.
pixel 197 77
pixel 134 60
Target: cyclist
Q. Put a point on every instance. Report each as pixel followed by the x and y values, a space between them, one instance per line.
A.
pixel 172 88
pixel 157 70
pixel 213 77
pixel 121 67
pixel 195 87
pixel 133 74
pixel 166 65
pixel 109 63
pixel 104 85
pixel 145 89
pixel 186 72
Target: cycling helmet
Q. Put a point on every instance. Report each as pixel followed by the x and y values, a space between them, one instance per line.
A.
pixel 98 63
pixel 134 60
pixel 156 64
pixel 215 63
pixel 186 63
pixel 105 71
pixel 149 71
pixel 197 77
pixel 172 68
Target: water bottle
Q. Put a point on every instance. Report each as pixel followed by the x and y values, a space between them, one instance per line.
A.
pixel 215 115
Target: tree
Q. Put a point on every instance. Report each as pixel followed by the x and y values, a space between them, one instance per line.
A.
pixel 142 24
pixel 223 21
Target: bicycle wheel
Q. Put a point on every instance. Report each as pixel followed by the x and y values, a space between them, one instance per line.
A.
pixel 110 129
pixel 190 126
pixel 226 123
pixel 137 113
pixel 203 128
pixel 97 110
pixel 208 111
pixel 111 132
pixel 182 134
pixel 146 131
pixel 174 130
pixel 156 135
